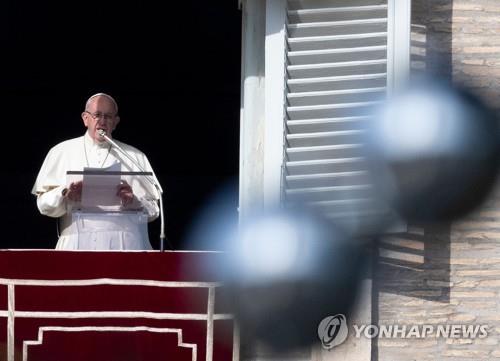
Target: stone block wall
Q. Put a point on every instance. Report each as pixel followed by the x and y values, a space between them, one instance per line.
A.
pixel 476 47
pixel 447 274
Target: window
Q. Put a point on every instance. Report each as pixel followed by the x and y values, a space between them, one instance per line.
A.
pixel 327 63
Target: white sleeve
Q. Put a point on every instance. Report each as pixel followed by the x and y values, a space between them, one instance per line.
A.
pixel 52 203
pixel 151 208
pixel 150 199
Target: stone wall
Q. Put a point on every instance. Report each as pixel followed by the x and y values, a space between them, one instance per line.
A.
pixel 447 274
pixel 476 47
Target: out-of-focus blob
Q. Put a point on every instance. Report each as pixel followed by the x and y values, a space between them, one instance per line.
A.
pixel 433 151
pixel 285 272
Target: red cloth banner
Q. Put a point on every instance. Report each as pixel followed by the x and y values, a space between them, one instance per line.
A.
pixel 72 306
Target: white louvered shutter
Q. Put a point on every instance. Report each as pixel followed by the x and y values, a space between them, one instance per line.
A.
pixel 336 71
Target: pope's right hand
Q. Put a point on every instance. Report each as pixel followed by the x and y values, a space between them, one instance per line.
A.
pixel 74 191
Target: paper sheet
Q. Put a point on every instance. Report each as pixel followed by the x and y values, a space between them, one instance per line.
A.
pixel 100 187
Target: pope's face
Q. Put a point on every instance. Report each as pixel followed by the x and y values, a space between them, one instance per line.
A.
pixel 100 115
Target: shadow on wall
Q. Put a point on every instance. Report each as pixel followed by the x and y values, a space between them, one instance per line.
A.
pixel 431 38
pixel 417 263
pixel 414 264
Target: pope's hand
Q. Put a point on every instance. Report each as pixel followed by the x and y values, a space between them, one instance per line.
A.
pixel 74 192
pixel 125 193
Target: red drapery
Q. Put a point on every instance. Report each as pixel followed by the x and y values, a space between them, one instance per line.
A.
pixel 72 306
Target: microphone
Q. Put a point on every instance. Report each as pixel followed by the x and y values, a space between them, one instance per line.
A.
pixel 101 132
pixel 154 181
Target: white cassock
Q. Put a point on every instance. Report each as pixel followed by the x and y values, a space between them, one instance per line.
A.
pixel 122 231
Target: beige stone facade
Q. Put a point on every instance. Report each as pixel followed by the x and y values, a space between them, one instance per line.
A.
pixel 447 273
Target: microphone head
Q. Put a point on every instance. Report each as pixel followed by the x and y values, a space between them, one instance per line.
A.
pixel 101 132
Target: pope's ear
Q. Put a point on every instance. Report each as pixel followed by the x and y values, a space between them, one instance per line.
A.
pixel 85 118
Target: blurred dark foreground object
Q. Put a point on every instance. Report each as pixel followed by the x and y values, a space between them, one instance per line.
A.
pixel 288 270
pixel 433 151
pixel 433 154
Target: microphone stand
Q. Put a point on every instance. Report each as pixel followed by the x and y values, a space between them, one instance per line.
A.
pixel 153 181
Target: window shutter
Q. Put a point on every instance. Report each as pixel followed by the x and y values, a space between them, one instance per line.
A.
pixel 336 71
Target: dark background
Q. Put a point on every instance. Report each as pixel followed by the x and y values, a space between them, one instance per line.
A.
pixel 174 69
